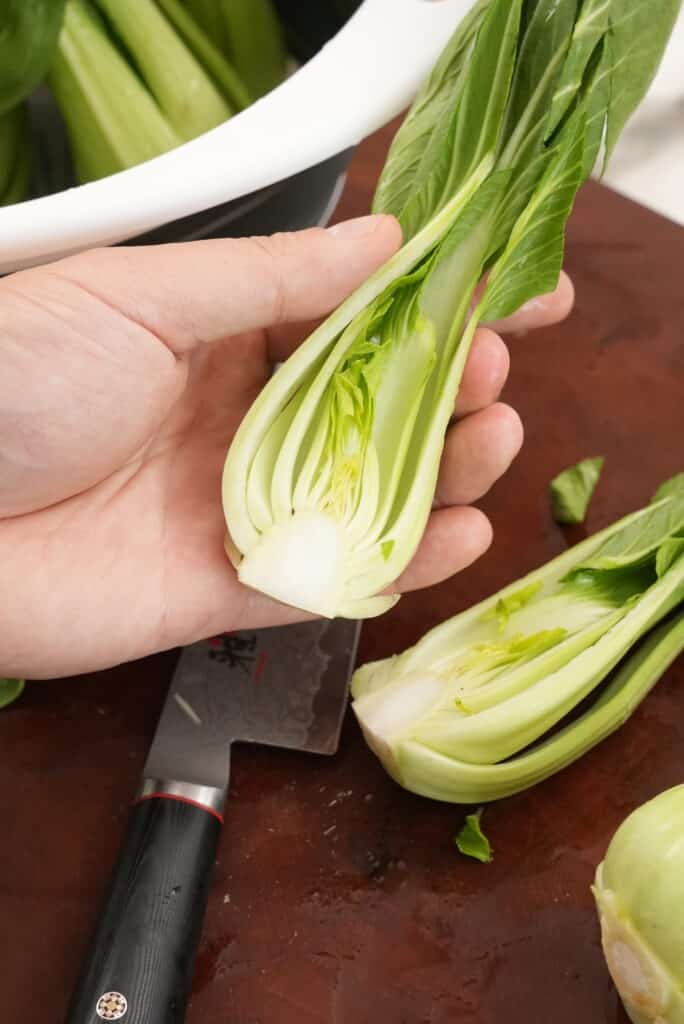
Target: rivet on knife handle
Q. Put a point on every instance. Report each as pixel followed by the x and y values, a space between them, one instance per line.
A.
pixel 144 946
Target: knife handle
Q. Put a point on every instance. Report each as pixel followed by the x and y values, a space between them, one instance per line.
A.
pixel 140 960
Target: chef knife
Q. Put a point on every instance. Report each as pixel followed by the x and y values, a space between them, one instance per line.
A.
pixel 285 687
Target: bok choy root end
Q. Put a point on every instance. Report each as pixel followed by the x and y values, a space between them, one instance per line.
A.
pixel 330 479
pixel 639 889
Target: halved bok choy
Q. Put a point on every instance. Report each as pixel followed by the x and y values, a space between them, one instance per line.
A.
pixel 329 481
pixel 476 710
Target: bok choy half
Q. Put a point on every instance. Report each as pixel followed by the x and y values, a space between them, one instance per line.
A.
pixel 329 481
pixel 469 714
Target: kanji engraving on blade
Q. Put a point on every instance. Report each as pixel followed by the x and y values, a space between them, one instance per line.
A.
pixel 111 1006
pixel 234 649
pixel 285 710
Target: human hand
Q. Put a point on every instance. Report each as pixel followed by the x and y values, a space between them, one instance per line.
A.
pixel 125 373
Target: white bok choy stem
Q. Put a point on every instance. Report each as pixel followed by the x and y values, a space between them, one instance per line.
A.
pixel 329 482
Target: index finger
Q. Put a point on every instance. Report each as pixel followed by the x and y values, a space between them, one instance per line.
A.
pixel 541 311
pixel 190 293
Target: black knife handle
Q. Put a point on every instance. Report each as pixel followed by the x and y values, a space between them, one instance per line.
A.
pixel 143 950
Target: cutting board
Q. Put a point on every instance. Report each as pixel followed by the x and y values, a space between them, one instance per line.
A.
pixel 338 897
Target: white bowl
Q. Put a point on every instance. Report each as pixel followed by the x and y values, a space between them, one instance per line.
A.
pixel 364 76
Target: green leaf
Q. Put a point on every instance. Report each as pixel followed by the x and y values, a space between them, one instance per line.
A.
pixel 589 30
pixel 572 490
pixel 399 176
pixel 10 689
pixel 546 34
pixel 471 840
pixel 639 30
pixel 641 537
pixel 472 130
pixel 616 586
pixel 672 488
pixel 531 262
pixel 29 30
pixel 598 94
pixel 668 554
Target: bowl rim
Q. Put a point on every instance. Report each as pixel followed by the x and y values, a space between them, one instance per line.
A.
pixel 357 82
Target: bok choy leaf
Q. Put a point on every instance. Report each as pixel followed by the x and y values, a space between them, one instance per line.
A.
pixel 10 690
pixel 471 840
pixel 572 490
pixel 329 481
pixel 28 37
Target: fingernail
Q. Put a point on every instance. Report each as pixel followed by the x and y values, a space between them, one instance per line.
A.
pixel 356 228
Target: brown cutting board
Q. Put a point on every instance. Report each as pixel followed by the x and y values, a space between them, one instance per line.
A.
pixel 338 897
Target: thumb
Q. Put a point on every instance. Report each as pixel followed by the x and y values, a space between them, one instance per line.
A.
pixel 195 292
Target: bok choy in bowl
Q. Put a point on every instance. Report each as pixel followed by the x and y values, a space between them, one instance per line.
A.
pixel 155 82
pixel 330 479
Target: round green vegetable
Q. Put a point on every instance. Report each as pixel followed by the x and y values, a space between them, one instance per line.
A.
pixel 28 36
pixel 639 891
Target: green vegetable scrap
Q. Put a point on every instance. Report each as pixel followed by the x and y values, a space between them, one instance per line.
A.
pixel 639 892
pixel 10 690
pixel 674 485
pixel 476 710
pixel 572 490
pixel 330 479
pixel 471 840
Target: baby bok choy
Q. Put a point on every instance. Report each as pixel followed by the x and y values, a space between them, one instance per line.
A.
pixel 639 889
pixel 329 481
pixel 469 714
pixel 134 79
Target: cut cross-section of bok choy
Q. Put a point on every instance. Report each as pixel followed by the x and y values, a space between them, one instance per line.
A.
pixel 476 709
pixel 329 481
